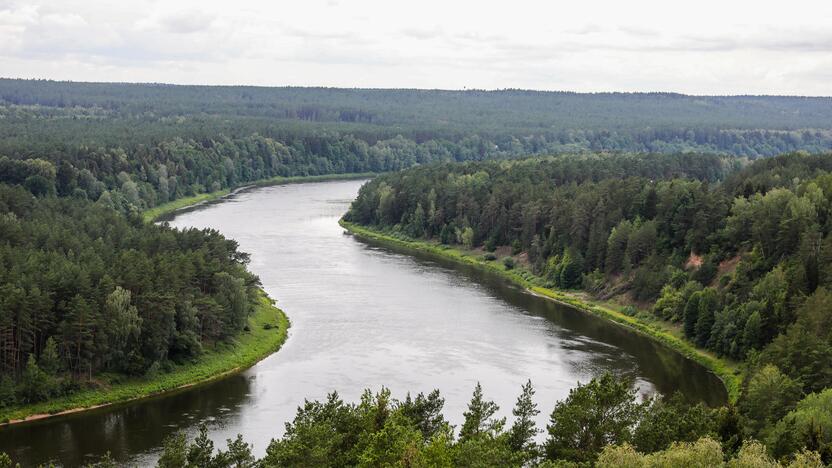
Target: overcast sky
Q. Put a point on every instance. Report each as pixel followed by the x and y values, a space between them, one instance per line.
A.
pixel 692 46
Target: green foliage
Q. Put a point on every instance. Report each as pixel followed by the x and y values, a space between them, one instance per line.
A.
pixel 397 443
pixel 808 426
pixel 321 433
pixel 35 385
pixel 703 453
pixel 200 453
pixel 671 304
pixel 456 125
pixel 426 413
pixel 89 290
pixel 594 426
pixel 174 452
pixel 655 228
pixel 466 237
pixel 668 420
pixel 479 419
pixel 601 412
pixel 49 360
pixel 708 306
pixel 249 347
pixel 726 370
pixel 522 432
pixel 804 351
pixel 8 392
pixel 571 268
pixel 768 397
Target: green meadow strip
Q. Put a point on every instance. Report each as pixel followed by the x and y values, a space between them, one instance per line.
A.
pixel 728 372
pixel 268 329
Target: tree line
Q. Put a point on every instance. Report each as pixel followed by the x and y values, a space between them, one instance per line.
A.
pixel 739 257
pixel 147 144
pixel 86 292
pixel 601 423
pixel 135 146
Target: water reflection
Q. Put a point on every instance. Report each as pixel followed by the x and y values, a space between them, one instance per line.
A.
pixel 365 317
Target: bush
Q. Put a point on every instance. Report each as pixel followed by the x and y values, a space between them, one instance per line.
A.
pixel 516 247
pixel 508 262
pixel 491 244
pixel 648 282
pixel 7 395
pixel 707 272
pixel 35 384
pixel 594 281
pixel 153 370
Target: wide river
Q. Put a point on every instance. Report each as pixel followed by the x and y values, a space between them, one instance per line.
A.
pixel 364 317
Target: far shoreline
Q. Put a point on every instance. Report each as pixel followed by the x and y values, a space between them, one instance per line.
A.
pixel 159 212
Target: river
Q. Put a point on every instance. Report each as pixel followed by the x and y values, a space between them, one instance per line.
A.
pixel 364 317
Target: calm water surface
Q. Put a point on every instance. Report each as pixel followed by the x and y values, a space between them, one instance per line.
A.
pixel 365 317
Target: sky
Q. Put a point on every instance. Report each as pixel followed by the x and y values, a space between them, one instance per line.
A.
pixel 692 47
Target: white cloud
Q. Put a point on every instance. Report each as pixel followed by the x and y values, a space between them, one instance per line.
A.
pixel 710 46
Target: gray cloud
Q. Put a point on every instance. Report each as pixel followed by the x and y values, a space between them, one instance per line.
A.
pixel 532 44
pixel 186 22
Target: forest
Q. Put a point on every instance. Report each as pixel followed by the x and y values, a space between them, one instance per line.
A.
pixel 738 255
pixel 135 146
pixel 600 423
pixel 666 202
pixel 89 295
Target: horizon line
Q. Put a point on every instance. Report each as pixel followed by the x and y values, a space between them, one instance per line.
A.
pixel 464 89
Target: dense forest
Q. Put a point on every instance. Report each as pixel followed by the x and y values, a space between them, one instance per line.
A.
pixel 739 258
pixel 601 423
pixel 86 290
pixel 139 145
pixel 733 248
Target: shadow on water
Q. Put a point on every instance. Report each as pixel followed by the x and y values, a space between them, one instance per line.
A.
pixel 367 328
pixel 669 371
pixel 125 429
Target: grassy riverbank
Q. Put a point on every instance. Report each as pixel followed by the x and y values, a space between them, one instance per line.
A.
pixel 268 329
pixel 156 212
pixel 643 323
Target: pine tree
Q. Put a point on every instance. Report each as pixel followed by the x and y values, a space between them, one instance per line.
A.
pixel 201 451
pixel 34 383
pixel 692 314
pixel 50 361
pixel 522 432
pixel 175 452
pixel 478 418
pixel 7 392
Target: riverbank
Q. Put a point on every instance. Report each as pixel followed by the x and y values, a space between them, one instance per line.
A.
pixel 268 330
pixel 728 372
pixel 152 214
